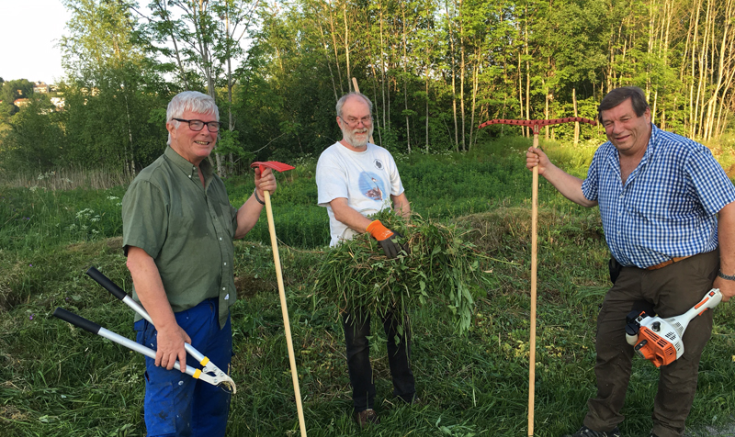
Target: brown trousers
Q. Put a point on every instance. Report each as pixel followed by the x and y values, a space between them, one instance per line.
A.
pixel 672 290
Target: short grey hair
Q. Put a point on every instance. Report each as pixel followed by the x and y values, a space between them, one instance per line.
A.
pixel 193 101
pixel 344 98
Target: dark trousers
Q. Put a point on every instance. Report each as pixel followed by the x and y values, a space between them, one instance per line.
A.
pixel 672 290
pixel 357 329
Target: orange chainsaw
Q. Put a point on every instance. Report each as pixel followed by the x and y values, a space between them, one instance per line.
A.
pixel 660 340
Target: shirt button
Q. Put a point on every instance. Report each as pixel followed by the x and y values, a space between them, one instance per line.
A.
pixel 223 288
pixel 225 263
pixel 189 176
pixel 220 238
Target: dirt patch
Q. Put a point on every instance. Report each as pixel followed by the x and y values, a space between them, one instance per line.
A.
pixel 248 286
pixel 12 413
pixel 114 243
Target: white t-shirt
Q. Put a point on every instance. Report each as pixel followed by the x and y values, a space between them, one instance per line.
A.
pixel 366 179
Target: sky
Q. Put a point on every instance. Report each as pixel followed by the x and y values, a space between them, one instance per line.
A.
pixel 29 35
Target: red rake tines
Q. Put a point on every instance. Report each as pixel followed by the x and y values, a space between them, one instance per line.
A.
pixel 536 124
pixel 275 165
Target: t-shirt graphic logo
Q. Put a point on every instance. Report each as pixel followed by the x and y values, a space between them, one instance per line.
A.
pixel 378 164
pixel 371 185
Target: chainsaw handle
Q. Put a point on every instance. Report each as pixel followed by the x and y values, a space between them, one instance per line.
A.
pixel 76 320
pixel 106 283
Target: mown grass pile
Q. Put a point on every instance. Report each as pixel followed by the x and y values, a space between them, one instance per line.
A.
pixel 440 267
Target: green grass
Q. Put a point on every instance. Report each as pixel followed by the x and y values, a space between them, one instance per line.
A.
pixel 61 381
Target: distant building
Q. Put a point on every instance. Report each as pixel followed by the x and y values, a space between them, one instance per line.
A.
pixel 58 103
pixel 40 87
pixel 22 102
pixel 94 91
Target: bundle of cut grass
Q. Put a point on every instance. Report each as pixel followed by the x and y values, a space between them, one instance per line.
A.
pixel 439 270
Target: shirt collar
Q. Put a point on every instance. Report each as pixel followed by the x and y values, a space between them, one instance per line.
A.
pixel 612 153
pixel 188 168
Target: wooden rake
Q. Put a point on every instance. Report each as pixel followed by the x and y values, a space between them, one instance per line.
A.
pixel 281 167
pixel 536 125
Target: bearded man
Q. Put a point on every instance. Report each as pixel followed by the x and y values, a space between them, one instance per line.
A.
pixel 353 176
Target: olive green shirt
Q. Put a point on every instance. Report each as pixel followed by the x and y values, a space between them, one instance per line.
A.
pixel 186 228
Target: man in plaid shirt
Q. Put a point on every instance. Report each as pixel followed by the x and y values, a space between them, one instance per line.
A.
pixel 660 196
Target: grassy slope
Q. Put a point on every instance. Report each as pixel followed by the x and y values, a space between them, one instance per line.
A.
pixel 60 381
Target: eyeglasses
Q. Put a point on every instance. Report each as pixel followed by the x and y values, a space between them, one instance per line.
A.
pixel 197 125
pixel 352 122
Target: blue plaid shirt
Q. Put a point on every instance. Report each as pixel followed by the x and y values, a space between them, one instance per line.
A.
pixel 668 205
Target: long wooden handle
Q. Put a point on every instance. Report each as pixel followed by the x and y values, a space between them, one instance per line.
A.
pixel 284 310
pixel 534 248
pixel 357 90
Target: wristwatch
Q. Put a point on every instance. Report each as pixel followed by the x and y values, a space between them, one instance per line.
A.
pixel 724 276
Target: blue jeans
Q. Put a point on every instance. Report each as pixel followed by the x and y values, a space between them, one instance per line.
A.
pixel 357 329
pixel 175 403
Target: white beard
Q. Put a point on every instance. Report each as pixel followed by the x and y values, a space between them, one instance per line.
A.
pixel 354 142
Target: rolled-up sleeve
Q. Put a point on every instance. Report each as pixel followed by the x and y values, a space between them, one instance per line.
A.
pixel 144 218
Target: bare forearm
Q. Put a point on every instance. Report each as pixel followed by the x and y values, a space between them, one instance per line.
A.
pixel 402 206
pixel 349 216
pixel 247 216
pixel 726 234
pixel 149 288
pixel 569 186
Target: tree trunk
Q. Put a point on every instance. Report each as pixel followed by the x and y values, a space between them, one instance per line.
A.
pixel 405 79
pixel 576 123
pixel 382 61
pixel 347 46
pixel 692 111
pixel 520 92
pixel 475 67
pixel 334 46
pixel 426 89
pixel 454 88
pixel 546 108
pixel 528 71
pixel 326 54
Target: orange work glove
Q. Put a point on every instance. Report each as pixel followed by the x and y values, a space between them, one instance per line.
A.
pixel 383 235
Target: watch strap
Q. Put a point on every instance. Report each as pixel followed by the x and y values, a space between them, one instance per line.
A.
pixel 724 276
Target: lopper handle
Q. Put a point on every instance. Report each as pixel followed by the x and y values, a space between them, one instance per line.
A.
pixel 76 320
pixel 138 308
pixel 107 283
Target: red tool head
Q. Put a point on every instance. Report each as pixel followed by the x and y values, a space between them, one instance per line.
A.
pixel 536 124
pixel 275 165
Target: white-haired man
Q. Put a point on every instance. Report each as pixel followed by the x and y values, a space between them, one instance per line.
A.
pixel 353 177
pixel 178 227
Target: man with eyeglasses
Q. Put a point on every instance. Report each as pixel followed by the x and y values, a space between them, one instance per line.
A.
pixel 178 227
pixel 353 177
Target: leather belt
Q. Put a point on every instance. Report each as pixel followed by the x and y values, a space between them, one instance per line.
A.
pixel 673 260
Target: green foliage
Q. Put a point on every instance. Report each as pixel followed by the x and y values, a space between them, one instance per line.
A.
pixel 36 140
pixel 358 278
pixel 12 90
pixel 60 381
